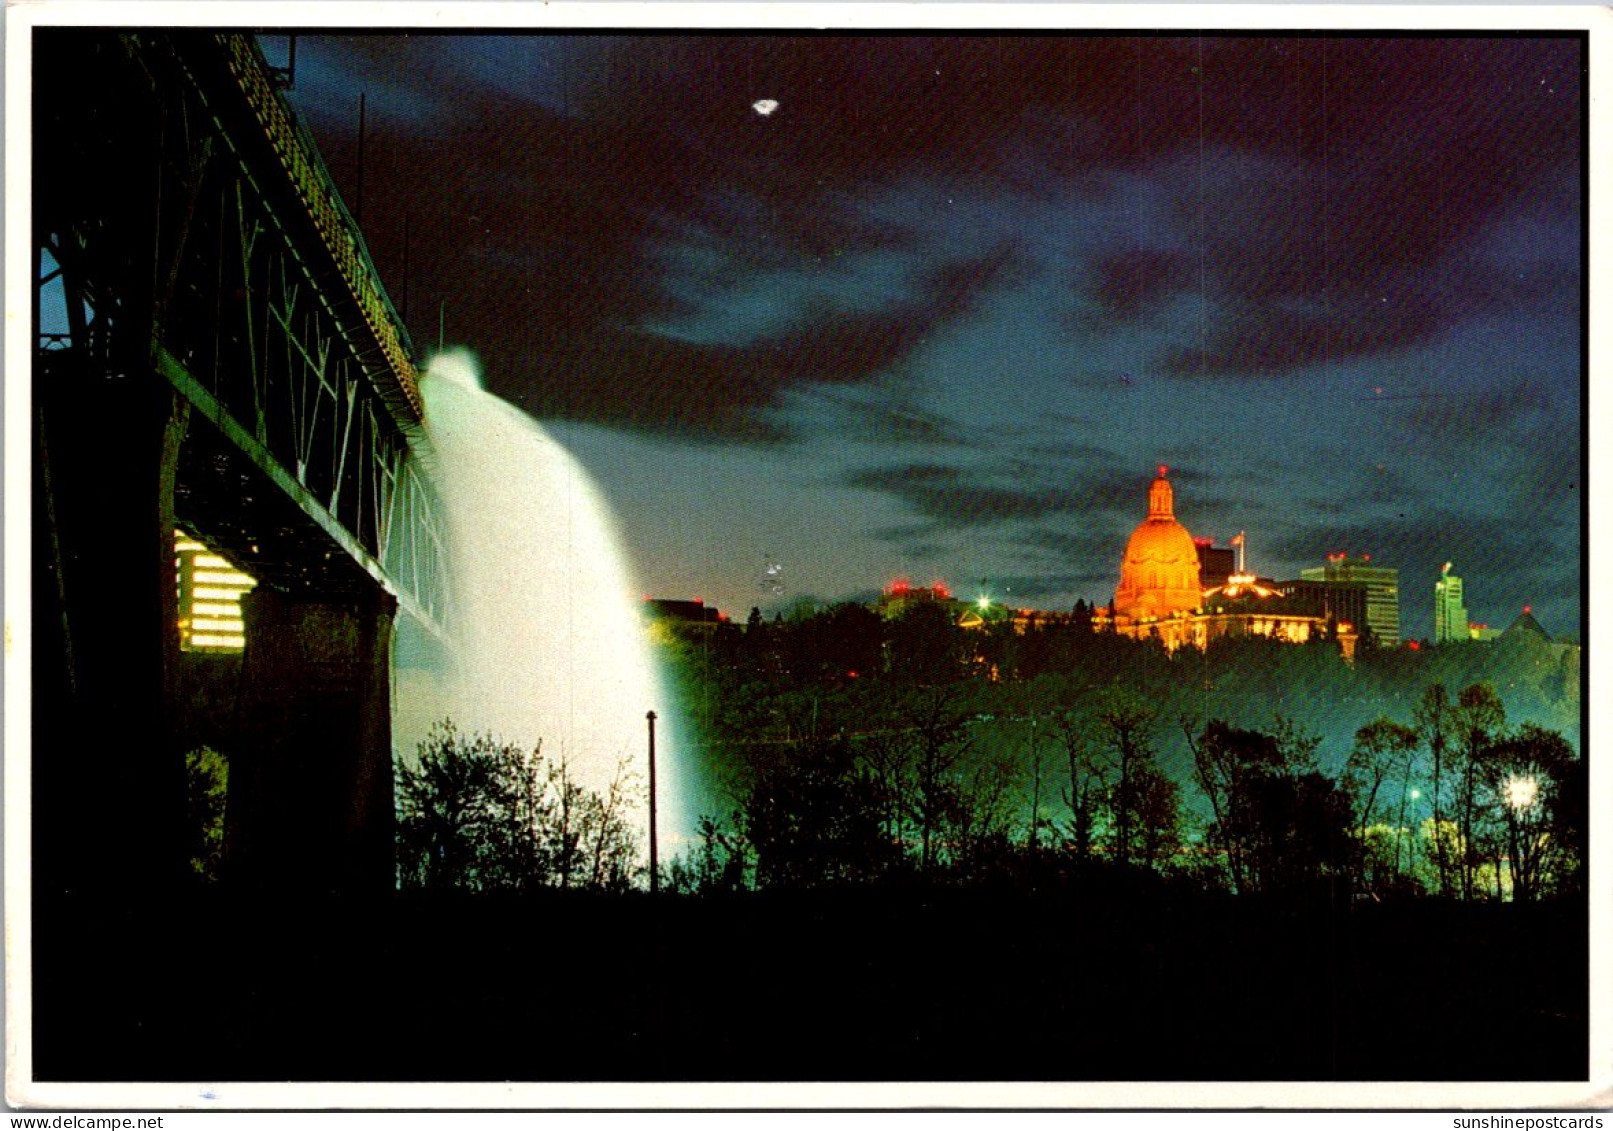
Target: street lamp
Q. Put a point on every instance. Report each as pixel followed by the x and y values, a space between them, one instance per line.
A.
pixel 655 869
pixel 1521 792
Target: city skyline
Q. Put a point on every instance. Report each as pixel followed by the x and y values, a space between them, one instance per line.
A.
pixel 967 591
pixel 819 311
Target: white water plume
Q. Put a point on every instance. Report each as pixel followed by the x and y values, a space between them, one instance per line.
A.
pixel 548 640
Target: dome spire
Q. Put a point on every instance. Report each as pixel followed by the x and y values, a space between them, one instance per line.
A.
pixel 1159 576
pixel 1160 502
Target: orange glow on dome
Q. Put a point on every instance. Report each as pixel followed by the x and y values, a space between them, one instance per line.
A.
pixel 1159 574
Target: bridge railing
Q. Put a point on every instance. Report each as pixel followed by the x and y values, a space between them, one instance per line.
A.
pixel 330 216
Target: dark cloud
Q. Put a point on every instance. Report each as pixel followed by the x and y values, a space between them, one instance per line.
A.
pixel 915 543
pixel 836 345
pixel 1074 452
pixel 946 494
pixel 1021 589
pixel 1382 486
pixel 1084 560
pixel 1487 416
pixel 1076 545
pixel 879 414
pixel 1516 565
pixel 1545 480
pixel 1136 282
pixel 1344 232
pixel 549 280
pixel 1324 188
pixel 1007 490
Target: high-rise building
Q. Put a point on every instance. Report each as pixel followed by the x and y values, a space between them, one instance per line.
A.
pixel 1383 591
pixel 1216 563
pixel 1450 614
pixel 1331 600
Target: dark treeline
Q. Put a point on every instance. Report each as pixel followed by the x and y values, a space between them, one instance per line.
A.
pixel 840 747
pixel 1056 856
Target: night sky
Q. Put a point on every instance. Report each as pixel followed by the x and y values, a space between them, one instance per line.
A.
pixel 941 311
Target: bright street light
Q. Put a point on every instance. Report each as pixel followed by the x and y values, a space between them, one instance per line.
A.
pixel 1521 792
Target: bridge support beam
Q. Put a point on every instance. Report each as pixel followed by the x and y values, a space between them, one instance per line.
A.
pixel 310 794
pixel 108 778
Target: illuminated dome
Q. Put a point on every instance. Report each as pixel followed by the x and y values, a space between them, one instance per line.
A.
pixel 1159 576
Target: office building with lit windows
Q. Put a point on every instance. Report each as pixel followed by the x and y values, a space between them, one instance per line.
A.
pixel 1382 585
pixel 1450 614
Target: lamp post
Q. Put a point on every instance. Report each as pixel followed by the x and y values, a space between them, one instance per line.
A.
pixel 655 869
pixel 1520 795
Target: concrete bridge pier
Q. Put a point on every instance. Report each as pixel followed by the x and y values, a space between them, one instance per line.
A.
pixel 310 792
pixel 108 778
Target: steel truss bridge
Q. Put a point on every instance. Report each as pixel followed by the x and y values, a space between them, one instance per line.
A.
pixel 229 365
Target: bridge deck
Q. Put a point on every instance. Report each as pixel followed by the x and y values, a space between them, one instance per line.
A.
pixel 199 239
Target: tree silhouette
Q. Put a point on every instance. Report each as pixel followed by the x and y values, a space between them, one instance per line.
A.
pixel 1284 828
pixel 815 815
pixel 1527 777
pixel 1382 748
pixel 1477 722
pixel 1434 726
pixel 478 814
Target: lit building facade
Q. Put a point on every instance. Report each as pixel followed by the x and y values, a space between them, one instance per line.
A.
pixel 1450 614
pixel 899 596
pixel 1382 585
pixel 1331 600
pixel 210 589
pixel 1159 574
pixel 690 611
pixel 1162 595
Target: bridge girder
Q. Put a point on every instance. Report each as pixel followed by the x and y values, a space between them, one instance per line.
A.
pixel 230 364
pixel 222 260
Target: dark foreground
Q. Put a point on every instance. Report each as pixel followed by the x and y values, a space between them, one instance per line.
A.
pixel 867 986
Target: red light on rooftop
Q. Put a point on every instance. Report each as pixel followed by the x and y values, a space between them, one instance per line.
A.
pixel 941 589
pixel 700 600
pixel 1415 645
pixel 1163 471
pixel 1203 541
pixel 1527 609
